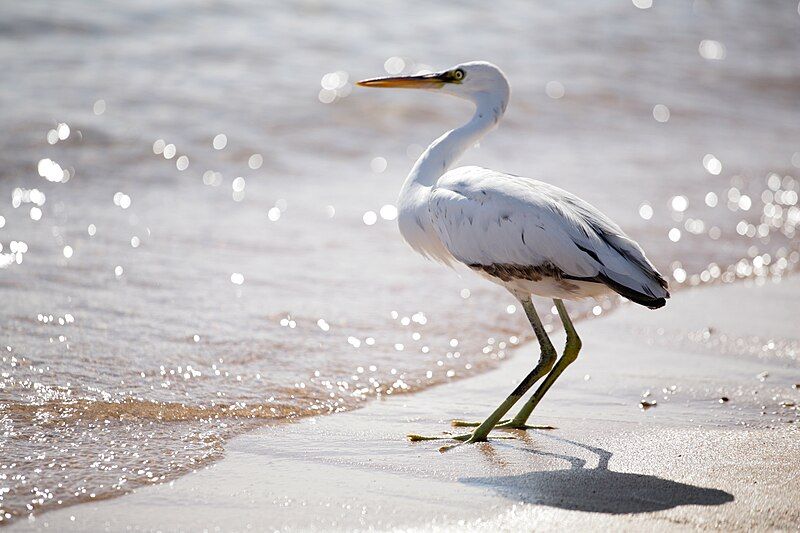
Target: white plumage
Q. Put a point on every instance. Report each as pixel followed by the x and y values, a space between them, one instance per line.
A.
pixel 567 248
pixel 526 235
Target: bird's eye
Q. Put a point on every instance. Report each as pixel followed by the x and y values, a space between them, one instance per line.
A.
pixel 459 74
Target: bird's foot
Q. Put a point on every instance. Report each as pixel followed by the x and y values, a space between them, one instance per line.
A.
pixel 467 438
pixel 418 438
pixel 503 424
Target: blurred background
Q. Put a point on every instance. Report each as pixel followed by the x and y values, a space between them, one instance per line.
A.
pixel 197 206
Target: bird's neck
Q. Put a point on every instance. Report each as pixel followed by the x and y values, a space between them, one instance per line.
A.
pixel 446 150
pixel 413 217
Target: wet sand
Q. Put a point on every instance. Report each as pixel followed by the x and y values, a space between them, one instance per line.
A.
pixel 694 460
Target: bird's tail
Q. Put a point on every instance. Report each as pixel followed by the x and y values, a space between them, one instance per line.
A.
pixel 635 277
pixel 640 297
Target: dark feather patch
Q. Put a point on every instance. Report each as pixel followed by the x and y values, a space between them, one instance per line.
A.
pixel 508 272
pixel 591 253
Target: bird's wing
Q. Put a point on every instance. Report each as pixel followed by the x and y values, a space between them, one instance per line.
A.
pixel 486 218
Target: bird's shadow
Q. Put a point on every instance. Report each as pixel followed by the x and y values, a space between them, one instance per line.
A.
pixel 598 489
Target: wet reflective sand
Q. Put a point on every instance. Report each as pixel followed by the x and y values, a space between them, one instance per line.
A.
pixel 691 461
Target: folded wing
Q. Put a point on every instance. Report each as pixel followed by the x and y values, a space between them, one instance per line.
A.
pixel 487 218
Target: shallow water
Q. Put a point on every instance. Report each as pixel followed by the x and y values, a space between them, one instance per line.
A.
pixel 150 312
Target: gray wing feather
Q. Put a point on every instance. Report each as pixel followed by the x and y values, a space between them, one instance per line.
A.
pixel 484 217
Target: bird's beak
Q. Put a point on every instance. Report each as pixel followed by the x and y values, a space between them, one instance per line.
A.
pixel 425 81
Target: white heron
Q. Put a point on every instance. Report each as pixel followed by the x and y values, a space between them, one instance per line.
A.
pixel 528 236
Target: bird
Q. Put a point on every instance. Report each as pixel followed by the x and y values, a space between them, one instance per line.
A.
pixel 530 237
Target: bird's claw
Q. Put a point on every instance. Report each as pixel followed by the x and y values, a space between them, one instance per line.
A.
pixel 503 424
pixel 418 438
pixel 467 438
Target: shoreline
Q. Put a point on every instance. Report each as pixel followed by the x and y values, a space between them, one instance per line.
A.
pixel 683 463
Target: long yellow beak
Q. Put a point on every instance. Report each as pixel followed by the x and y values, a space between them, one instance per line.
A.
pixel 425 81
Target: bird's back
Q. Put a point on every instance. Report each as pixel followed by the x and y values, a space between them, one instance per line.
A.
pixel 513 227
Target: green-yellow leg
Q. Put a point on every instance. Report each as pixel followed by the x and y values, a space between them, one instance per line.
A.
pixel 547 359
pixel 571 350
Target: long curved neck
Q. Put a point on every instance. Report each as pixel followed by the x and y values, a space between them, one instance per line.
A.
pixel 446 150
pixel 413 217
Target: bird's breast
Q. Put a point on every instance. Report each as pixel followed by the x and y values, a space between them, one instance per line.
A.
pixel 416 228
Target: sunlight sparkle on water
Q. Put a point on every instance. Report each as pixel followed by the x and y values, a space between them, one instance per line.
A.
pixel 394 65
pixel 50 170
pixel 745 202
pixel 378 164
pixel 212 178
pixel 354 342
pixel 334 80
pixel 122 200
pixel 334 85
pixel 554 89
pixel 710 49
pixel 220 141
pixel 712 164
pixel 63 131
pixel 370 218
pixel 388 212
pixel 326 96
pixel 661 113
pixel 679 203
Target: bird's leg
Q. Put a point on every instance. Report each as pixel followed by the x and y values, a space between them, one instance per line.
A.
pixel 571 350
pixel 547 359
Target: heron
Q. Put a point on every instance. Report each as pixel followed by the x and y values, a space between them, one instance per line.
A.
pixel 528 236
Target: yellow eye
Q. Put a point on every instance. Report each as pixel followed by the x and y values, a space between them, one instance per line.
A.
pixel 458 74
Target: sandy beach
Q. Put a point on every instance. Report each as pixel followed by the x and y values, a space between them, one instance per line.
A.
pixel 718 450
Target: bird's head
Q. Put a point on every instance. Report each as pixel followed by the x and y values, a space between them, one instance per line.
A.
pixel 473 81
